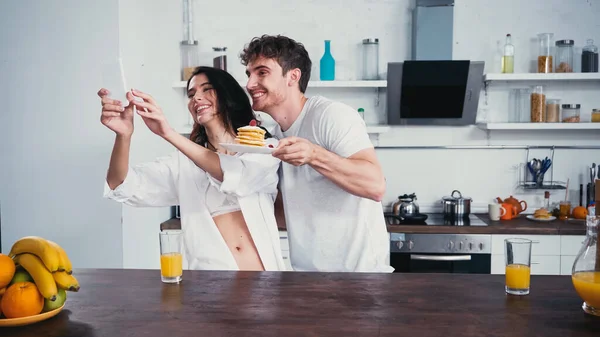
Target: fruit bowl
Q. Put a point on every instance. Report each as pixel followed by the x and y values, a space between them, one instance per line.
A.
pixel 10 322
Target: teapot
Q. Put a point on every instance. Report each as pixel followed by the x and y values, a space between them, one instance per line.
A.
pixel 406 205
pixel 519 205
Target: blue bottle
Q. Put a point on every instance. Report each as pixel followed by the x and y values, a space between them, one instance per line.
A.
pixel 327 64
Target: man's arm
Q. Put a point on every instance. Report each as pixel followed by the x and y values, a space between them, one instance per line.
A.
pixel 359 174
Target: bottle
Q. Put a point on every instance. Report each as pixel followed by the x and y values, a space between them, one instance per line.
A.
pixel 547 200
pixel 586 268
pixel 508 58
pixel 589 58
pixel 327 64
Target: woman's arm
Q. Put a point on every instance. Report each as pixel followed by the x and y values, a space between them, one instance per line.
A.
pixel 201 156
pixel 119 162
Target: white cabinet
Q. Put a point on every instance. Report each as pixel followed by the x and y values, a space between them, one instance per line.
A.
pixel 285 249
pixel 569 248
pixel 545 254
pixel 550 254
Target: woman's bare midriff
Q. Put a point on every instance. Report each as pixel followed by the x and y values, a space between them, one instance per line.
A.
pixel 235 232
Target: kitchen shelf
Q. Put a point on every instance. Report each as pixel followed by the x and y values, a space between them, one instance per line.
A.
pixel 542 77
pixel 539 126
pixel 321 84
pixel 371 129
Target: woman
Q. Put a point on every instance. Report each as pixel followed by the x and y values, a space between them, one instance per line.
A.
pixel 226 199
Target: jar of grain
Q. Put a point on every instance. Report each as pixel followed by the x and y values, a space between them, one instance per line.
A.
pixel 570 113
pixel 596 116
pixel 552 110
pixel 545 53
pixel 538 104
pixel 564 56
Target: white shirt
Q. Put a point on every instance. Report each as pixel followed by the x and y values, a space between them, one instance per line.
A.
pixel 176 180
pixel 328 228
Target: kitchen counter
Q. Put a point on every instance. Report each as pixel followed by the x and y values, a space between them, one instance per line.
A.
pixel 519 225
pixel 225 303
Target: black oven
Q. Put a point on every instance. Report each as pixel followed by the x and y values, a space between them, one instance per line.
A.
pixel 440 253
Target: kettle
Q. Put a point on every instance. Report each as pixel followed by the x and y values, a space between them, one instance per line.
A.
pixel 406 205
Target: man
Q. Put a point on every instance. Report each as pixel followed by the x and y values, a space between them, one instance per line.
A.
pixel 331 182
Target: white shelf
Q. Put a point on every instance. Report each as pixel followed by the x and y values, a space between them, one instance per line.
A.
pixel 539 126
pixel 371 129
pixel 543 77
pixel 321 84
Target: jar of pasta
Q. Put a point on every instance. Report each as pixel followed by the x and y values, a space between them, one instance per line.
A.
pixel 564 56
pixel 544 60
pixel 570 113
pixel 595 115
pixel 538 104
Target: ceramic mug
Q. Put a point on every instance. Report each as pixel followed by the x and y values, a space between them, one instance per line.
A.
pixel 496 211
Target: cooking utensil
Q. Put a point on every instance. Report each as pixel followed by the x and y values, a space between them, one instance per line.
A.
pixel 456 206
pixel 404 206
pixel 580 194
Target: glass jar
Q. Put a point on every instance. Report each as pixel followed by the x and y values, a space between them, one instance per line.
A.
pixel 220 58
pixel 564 56
pixel 552 110
pixel 595 115
pixel 589 58
pixel 538 104
pixel 189 58
pixel 585 273
pixel 570 113
pixel 370 49
pixel 519 105
pixel 545 53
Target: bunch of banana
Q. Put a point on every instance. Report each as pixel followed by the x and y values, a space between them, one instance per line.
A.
pixel 47 263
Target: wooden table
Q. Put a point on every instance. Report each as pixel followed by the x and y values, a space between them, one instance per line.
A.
pixel 208 303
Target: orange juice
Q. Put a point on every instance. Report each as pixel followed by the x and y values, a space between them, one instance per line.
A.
pixel 517 276
pixel 587 285
pixel 171 265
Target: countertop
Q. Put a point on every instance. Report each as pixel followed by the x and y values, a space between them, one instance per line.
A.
pixel 122 302
pixel 519 225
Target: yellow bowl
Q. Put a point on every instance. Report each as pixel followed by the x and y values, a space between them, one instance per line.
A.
pixel 6 322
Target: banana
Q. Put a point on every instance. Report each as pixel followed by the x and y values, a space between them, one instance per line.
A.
pixel 42 277
pixel 65 262
pixel 39 247
pixel 66 281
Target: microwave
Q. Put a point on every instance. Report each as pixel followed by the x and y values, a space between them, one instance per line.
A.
pixel 440 92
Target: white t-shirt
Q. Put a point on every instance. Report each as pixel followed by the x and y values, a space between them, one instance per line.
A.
pixel 328 228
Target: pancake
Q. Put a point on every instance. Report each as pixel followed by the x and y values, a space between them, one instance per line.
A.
pixel 250 135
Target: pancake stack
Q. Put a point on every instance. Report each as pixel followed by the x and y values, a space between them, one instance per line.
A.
pixel 541 213
pixel 250 135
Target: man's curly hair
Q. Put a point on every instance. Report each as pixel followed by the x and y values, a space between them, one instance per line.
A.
pixel 287 52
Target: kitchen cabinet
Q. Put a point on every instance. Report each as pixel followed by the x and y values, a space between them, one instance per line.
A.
pixel 550 254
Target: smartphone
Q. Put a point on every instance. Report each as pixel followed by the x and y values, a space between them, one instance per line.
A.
pixel 113 79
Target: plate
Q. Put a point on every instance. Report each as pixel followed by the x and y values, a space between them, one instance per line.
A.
pixel 532 218
pixel 6 322
pixel 252 149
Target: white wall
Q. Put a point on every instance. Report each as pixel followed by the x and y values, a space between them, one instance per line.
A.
pixel 54 149
pixel 150 33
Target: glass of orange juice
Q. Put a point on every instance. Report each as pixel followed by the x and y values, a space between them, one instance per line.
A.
pixel 517 253
pixel 171 259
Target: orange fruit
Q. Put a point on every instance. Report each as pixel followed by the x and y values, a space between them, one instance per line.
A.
pixel 7 270
pixel 580 212
pixel 22 299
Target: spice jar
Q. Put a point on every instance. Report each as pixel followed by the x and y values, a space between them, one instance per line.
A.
pixel 570 113
pixel 545 53
pixel 564 56
pixel 595 115
pixel 589 58
pixel 538 104
pixel 552 110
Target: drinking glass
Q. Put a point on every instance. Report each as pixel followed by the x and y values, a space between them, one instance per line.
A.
pixel 171 258
pixel 517 253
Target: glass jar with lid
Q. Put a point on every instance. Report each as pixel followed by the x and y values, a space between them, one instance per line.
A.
pixel 544 60
pixel 538 104
pixel 570 113
pixel 589 58
pixel 370 51
pixel 564 56
pixel 552 110
pixel 595 115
